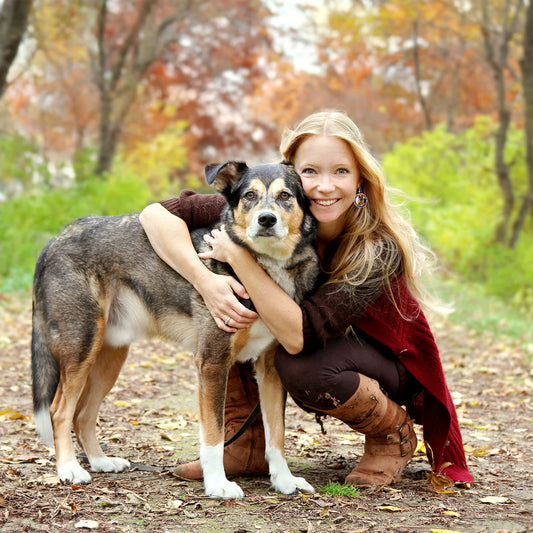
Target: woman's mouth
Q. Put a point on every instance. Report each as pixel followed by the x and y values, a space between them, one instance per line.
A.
pixel 325 203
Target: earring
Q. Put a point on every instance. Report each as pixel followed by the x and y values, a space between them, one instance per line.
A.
pixel 361 198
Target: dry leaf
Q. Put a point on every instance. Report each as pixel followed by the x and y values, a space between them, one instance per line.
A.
pixel 451 513
pixel 86 524
pixel 494 499
pixel 179 423
pixel 391 509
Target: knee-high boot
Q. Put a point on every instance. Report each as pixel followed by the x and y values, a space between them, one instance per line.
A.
pixel 390 440
pixel 246 455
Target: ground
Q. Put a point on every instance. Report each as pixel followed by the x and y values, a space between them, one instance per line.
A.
pixel 150 418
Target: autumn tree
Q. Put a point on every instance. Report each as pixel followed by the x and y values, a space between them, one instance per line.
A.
pixel 13 22
pixel 126 47
pixel 107 72
pixel 527 88
pixel 500 24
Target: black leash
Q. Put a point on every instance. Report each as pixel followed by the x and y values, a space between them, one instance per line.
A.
pixel 247 423
pixel 148 468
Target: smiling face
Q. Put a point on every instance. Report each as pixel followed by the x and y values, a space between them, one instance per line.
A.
pixel 330 177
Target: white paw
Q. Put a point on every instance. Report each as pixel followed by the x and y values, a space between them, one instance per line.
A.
pixel 109 464
pixel 227 490
pixel 73 473
pixel 289 484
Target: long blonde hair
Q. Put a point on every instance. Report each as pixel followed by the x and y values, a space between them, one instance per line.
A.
pixel 368 228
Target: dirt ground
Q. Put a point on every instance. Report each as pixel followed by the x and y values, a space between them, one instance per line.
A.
pixel 150 418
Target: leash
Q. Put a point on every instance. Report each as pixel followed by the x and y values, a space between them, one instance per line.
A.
pixel 149 468
pixel 247 423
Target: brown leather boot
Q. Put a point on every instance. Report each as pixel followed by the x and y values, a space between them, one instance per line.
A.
pixel 246 455
pixel 390 440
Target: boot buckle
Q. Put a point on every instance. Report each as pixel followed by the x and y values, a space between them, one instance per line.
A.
pixel 404 439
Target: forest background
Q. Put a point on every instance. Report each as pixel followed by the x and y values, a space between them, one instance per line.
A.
pixel 108 105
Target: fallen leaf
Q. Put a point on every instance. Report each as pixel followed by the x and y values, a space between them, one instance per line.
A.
pixel 86 524
pixel 451 513
pixel 180 423
pixel 445 531
pixel 391 509
pixel 494 499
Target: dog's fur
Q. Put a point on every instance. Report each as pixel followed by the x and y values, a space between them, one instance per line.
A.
pixel 99 286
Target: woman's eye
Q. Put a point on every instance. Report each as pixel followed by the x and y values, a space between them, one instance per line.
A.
pixel 284 195
pixel 308 171
pixel 343 171
pixel 250 195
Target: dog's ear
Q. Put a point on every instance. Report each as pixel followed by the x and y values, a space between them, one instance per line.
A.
pixel 223 175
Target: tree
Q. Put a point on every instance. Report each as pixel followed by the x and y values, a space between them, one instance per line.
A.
pixel 13 22
pixel 527 87
pixel 121 64
pixel 499 26
pixel 119 72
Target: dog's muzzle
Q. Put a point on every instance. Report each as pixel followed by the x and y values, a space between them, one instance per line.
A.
pixel 267 224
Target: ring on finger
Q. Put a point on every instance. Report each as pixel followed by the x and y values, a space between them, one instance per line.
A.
pixel 226 322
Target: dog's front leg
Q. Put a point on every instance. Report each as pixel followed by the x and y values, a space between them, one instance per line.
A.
pixel 212 379
pixel 272 397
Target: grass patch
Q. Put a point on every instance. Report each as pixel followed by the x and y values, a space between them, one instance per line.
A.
pixel 483 313
pixel 340 489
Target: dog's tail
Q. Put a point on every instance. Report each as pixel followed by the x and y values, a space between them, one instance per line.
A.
pixel 45 375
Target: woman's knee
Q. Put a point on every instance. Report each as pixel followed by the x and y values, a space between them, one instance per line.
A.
pixel 308 379
pixel 289 368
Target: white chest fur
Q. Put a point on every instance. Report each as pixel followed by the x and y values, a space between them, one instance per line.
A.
pixel 259 340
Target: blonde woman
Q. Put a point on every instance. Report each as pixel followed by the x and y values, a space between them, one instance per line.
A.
pixel 359 348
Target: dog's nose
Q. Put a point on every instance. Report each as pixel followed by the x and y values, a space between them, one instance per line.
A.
pixel 267 220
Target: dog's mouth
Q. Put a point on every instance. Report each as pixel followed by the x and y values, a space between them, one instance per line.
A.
pixel 266 232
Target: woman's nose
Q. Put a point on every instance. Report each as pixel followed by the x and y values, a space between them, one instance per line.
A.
pixel 325 183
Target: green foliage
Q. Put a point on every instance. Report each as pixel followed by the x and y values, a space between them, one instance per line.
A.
pixel 19 162
pixel 340 489
pixel 486 314
pixel 161 160
pixel 28 222
pixel 455 203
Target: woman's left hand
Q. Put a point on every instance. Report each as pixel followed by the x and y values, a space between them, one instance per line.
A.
pixel 221 246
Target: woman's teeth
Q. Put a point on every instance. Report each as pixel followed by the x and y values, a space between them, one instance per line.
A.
pixel 325 203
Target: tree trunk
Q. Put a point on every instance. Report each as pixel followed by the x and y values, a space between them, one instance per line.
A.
pixel 527 88
pixel 418 77
pixel 13 23
pixel 118 78
pixel 497 52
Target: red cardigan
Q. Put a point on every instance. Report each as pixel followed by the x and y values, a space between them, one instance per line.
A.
pixel 328 312
pixel 413 343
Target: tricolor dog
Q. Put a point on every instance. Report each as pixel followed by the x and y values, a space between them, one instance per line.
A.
pixel 99 286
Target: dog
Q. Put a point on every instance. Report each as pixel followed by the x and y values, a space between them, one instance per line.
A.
pixel 99 286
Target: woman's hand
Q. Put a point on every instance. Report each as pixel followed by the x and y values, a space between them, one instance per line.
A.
pixel 221 245
pixel 220 292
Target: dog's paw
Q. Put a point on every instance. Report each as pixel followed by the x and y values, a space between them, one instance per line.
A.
pixel 289 484
pixel 109 464
pixel 73 473
pixel 226 490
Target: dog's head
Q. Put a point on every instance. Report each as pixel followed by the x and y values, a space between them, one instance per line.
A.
pixel 268 211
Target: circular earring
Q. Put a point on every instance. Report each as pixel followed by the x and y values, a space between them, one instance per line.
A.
pixel 361 198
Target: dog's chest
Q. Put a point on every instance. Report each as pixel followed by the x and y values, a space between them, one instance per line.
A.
pixel 249 344
pixel 278 272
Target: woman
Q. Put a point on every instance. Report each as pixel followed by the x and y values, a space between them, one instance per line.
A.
pixel 359 347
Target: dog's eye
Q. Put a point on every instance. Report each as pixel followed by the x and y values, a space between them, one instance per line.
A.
pixel 250 195
pixel 284 195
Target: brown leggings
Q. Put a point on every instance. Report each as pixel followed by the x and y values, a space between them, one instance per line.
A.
pixel 329 377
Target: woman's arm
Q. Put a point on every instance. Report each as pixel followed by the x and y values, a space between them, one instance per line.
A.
pixel 324 315
pixel 171 240
pixel 280 313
